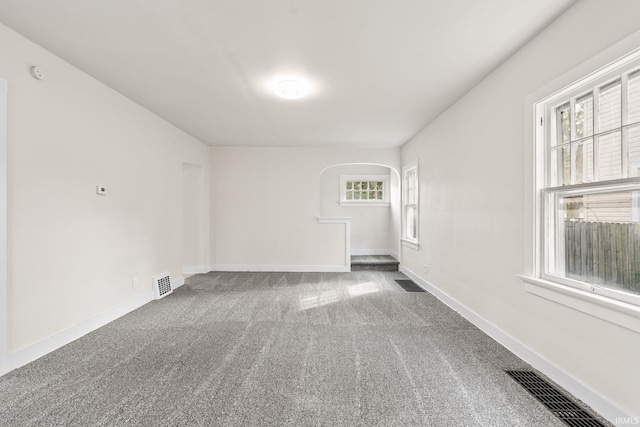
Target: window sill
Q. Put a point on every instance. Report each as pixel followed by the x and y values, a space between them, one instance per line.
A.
pixel 613 311
pixel 410 244
pixel 343 203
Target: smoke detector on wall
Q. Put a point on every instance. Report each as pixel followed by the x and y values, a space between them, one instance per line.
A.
pixel 37 73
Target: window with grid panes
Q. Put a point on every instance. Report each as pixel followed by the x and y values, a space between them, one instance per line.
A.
pixel 364 190
pixel 590 228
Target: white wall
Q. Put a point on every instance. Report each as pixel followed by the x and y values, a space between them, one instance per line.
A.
pixel 372 227
pixel 476 219
pixel 265 203
pixel 73 254
pixel 3 225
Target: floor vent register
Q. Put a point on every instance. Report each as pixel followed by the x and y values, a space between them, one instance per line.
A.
pixel 560 405
pixel 409 285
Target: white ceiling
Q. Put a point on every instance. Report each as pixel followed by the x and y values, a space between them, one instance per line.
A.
pixel 377 71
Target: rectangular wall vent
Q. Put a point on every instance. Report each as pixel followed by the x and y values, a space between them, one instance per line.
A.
pixel 162 285
pixel 560 405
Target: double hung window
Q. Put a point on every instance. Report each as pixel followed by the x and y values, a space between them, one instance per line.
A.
pixel 410 203
pixel 590 187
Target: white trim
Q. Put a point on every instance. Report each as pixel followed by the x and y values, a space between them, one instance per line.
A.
pixel 47 345
pixel 4 306
pixel 601 405
pixel 363 252
pixel 410 244
pixel 282 268
pixel 364 203
pixel 614 311
pixel 347 238
pixel 194 269
pixel 176 282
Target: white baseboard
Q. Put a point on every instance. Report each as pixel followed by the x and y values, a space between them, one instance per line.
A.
pixel 283 268
pixel 47 345
pixel 176 282
pixel 601 405
pixel 361 252
pixel 194 269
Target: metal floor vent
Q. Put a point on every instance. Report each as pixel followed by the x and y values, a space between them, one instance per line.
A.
pixel 560 405
pixel 162 285
pixel 409 285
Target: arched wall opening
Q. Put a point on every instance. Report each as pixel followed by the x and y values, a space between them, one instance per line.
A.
pixel 374 230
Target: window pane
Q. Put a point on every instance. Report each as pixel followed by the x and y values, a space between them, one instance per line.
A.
pixel 584 116
pixel 411 198
pixel 610 107
pixel 564 125
pixel 633 98
pixel 410 179
pixel 566 165
pixel 363 185
pixel 356 185
pixel 349 195
pixel 379 186
pixel 349 185
pixel 634 151
pixel 561 165
pixel 583 157
pixel 596 240
pixel 610 151
pixel 411 223
pixel 372 195
pixel 356 195
pixel 379 195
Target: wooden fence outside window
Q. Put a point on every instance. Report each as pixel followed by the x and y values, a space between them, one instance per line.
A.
pixel 604 253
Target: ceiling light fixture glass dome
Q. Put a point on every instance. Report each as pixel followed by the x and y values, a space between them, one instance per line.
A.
pixel 289 89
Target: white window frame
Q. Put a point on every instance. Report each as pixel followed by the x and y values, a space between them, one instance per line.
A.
pixel 377 178
pixel 635 201
pixel 411 169
pixel 544 125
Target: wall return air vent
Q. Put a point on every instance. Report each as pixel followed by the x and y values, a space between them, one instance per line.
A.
pixel 162 285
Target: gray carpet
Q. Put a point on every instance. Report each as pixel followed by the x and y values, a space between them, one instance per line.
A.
pixel 278 349
pixel 374 262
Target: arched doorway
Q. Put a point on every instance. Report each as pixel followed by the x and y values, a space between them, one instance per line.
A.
pixel 374 224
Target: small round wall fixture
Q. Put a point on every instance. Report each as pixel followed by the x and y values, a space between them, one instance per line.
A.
pixel 37 73
pixel 289 89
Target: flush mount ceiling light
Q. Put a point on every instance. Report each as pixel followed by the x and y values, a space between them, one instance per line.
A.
pixel 289 89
